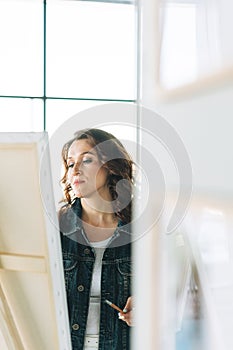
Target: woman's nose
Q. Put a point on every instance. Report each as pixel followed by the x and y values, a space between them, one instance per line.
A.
pixel 76 168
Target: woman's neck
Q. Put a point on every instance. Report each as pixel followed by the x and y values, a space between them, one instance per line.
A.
pixel 98 213
pixel 97 224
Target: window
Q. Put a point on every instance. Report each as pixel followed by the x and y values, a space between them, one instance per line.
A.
pixel 59 57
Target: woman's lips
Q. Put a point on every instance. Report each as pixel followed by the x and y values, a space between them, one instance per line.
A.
pixel 78 182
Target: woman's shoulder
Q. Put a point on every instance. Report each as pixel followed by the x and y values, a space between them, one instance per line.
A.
pixel 67 207
pixel 64 209
pixel 68 216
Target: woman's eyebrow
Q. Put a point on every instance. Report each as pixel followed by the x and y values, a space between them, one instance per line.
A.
pixel 88 152
pixel 83 153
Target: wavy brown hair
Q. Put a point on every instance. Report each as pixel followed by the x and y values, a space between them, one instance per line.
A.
pixel 118 163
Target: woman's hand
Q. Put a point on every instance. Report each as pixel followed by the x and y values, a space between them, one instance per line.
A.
pixel 127 314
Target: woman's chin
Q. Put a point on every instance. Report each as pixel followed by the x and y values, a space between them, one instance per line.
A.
pixel 78 195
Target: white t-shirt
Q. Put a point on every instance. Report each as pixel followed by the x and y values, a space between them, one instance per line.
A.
pixel 93 319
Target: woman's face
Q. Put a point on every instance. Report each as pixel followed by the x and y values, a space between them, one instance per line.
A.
pixel 85 174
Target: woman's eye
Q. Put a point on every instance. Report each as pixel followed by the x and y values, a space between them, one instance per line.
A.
pixel 70 165
pixel 87 161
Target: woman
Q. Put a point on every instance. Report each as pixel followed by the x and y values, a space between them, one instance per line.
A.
pixel 95 236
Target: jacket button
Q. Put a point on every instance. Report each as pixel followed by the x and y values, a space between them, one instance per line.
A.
pixel 75 327
pixel 80 288
pixel 86 251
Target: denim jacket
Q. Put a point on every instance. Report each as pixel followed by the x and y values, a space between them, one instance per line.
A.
pixel 78 260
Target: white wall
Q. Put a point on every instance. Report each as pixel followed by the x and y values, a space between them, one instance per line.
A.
pixel 205 124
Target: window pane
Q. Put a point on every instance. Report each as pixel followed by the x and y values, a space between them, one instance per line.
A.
pixel 21 114
pixel 58 111
pixel 91 50
pixel 21 41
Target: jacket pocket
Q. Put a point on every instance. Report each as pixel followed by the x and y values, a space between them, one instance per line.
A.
pixel 70 266
pixel 125 268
